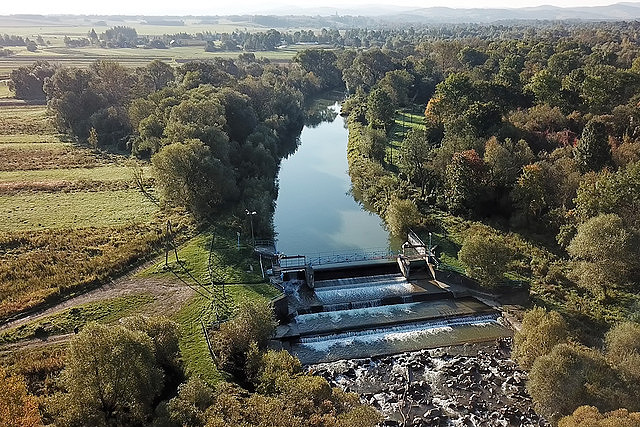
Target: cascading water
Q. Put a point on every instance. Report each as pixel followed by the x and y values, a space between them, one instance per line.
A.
pixel 364 316
pixel 363 289
pixel 377 312
pixel 398 332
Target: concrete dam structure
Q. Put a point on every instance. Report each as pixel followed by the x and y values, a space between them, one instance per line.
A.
pixel 377 307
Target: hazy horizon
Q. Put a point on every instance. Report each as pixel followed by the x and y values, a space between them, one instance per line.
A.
pixel 201 7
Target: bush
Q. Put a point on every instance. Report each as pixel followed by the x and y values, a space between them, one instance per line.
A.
pixel 571 376
pixel 17 407
pixel 623 351
pixel 589 416
pixel 485 258
pixel 540 332
pixel 253 324
pixel 189 406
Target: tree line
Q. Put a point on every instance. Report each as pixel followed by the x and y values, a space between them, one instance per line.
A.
pixel 215 131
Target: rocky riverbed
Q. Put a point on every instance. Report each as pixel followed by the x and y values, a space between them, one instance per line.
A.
pixel 469 385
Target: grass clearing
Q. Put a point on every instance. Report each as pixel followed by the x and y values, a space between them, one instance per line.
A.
pixel 5 92
pixel 100 173
pixel 193 345
pixel 38 267
pixel 64 322
pixel 74 210
pixel 30 146
pixel 231 265
pixel 25 120
pixel 32 139
pixel 13 160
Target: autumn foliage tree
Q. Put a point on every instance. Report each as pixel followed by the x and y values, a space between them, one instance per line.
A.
pixel 17 406
pixel 540 332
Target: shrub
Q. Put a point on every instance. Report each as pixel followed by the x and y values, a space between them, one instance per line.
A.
pixel 254 323
pixel 589 416
pixel 571 376
pixel 540 332
pixel 485 258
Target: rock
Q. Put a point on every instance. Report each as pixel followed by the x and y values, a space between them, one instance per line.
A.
pixel 431 413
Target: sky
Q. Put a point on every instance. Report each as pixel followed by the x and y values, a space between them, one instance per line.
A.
pixel 226 7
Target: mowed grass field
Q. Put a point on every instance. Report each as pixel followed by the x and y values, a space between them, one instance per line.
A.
pixel 71 216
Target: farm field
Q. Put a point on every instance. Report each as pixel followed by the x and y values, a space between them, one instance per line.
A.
pixel 71 216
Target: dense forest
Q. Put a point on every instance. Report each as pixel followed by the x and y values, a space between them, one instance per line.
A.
pixel 527 146
pixel 534 143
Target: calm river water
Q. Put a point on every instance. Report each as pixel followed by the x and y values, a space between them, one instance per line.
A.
pixel 315 212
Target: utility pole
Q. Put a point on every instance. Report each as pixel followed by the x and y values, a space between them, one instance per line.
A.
pixel 251 214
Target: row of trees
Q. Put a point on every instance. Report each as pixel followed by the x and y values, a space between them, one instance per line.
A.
pixel 214 130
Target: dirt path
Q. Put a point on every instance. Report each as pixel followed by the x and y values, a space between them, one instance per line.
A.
pixel 169 296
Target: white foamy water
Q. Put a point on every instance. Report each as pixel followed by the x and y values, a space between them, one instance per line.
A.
pixel 337 316
pixel 359 281
pixel 413 332
pixel 369 288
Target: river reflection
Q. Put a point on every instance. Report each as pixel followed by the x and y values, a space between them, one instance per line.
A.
pixel 315 211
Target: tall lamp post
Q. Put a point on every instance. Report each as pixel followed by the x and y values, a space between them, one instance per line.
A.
pixel 251 214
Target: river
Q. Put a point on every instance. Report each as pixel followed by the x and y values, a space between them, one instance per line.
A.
pixel 315 212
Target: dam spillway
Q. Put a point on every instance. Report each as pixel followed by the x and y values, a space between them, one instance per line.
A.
pixel 370 309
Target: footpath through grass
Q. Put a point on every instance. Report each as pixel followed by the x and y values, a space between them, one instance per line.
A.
pixel 64 322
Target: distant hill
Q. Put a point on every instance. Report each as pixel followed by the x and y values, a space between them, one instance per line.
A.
pixel 619 11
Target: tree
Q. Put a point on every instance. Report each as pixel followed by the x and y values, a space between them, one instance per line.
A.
pixel 28 82
pixel 608 192
pixel 593 151
pixel 164 335
pixel 485 258
pixel 322 63
pixel 571 376
pixel 401 215
pixel 529 193
pixel 547 89
pixel 373 144
pixel 190 176
pixel 604 252
pixel 416 155
pixel 202 119
pixel 505 160
pixel 73 100
pixel 253 324
pixel 397 84
pixel 380 109
pixel 17 406
pixel 464 178
pixel 589 416
pixel 111 376
pixel 241 119
pixel 160 73
pixel 540 332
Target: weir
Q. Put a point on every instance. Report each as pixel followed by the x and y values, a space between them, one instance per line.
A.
pixel 349 294
pixel 378 307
